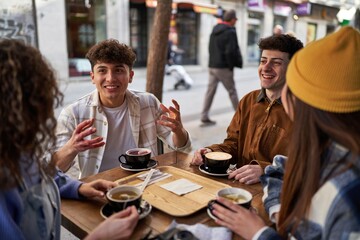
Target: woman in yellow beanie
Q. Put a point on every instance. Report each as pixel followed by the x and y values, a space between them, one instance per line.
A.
pixel 315 192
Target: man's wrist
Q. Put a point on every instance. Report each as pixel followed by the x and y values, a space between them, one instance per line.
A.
pixel 181 137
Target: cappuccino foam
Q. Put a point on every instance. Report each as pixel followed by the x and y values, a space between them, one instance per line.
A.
pixel 220 156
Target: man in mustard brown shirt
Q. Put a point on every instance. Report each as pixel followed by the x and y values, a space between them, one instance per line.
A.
pixel 260 127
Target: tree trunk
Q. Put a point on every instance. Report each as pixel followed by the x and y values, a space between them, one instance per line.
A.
pixel 158 48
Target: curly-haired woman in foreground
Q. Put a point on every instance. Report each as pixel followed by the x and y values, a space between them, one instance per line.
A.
pixel 29 196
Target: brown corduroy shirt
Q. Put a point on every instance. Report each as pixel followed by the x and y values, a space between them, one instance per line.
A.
pixel 258 131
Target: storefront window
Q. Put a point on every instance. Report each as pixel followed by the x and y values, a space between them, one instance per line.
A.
pixel 86 25
pixel 311 32
pixel 253 31
pixel 330 28
pixel 280 20
pixel 253 53
pixel 186 25
pixel 281 12
pixel 138 32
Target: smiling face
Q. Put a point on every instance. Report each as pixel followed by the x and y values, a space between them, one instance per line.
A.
pixel 272 71
pixel 111 81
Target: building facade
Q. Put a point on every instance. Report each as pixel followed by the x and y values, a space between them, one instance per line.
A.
pixel 64 30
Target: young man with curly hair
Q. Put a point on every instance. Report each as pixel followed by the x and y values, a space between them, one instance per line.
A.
pixel 260 127
pixel 105 123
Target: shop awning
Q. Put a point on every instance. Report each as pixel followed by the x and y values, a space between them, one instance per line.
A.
pixel 197 6
pixel 297 1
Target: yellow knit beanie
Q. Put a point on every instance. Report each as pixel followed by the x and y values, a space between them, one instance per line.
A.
pixel 326 73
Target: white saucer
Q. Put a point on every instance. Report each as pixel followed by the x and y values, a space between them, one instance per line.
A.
pixel 152 163
pixel 203 170
pixel 145 209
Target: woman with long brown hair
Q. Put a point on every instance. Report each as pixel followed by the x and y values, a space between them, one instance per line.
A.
pixel 315 192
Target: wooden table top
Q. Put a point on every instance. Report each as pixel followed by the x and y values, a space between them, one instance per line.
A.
pixel 81 216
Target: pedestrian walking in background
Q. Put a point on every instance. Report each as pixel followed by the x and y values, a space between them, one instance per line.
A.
pixel 224 55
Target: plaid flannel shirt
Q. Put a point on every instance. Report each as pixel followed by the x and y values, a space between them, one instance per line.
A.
pixel 334 212
pixel 144 110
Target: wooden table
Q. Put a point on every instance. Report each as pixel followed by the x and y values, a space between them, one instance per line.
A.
pixel 80 217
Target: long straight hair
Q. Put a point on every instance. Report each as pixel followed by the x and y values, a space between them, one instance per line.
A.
pixel 313 129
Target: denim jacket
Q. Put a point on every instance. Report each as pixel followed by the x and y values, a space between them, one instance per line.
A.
pixel 335 208
pixel 32 210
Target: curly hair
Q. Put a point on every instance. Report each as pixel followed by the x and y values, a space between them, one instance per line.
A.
pixel 29 94
pixel 283 43
pixel 111 51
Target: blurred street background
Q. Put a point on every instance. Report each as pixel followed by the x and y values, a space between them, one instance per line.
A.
pixel 64 30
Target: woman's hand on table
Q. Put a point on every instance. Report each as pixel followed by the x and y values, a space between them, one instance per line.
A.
pixel 247 174
pixel 97 188
pixel 197 158
pixel 240 220
pixel 120 225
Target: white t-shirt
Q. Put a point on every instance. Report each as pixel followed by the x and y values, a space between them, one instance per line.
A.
pixel 119 138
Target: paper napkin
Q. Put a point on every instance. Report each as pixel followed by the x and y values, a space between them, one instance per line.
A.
pixel 156 177
pixel 181 186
